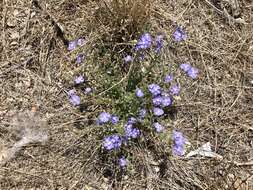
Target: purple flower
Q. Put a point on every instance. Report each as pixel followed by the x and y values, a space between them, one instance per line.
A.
pixel 114 119
pixel 128 58
pixel 158 111
pixel 193 72
pixel 178 138
pixel 72 45
pixel 139 93
pixel 179 35
pixel 158 127
pixel 81 42
pixel 175 89
pixel 168 78
pixel 75 99
pixel 122 161
pixel 155 89
pixel 142 113
pixel 178 150
pixel 104 118
pixel 79 58
pixel 79 79
pixel 87 90
pixel 157 101
pixel 179 142
pixel 112 142
pixel 144 42
pixel 71 92
pixel 166 101
pixel 159 43
pixel 185 67
pixel 132 120
pixel 131 132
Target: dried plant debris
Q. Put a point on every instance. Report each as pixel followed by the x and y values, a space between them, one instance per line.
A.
pixel 205 151
pixel 30 128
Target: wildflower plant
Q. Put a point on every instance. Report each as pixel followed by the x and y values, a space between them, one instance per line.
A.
pixel 139 103
pixel 136 91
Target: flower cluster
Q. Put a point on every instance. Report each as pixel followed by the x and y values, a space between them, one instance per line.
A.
pixel 189 70
pixel 175 89
pixel 130 130
pixel 153 101
pixel 112 142
pixel 105 117
pixel 78 80
pixel 179 143
pixel 74 98
pixel 161 98
pixel 73 44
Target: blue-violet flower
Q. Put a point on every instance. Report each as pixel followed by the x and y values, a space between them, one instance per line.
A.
pixel 139 93
pixel 104 117
pixel 112 142
pixel 155 89
pixel 175 89
pixel 179 35
pixel 122 161
pixel 144 42
pixel 114 119
pixel 168 78
pixel 79 79
pixel 158 127
pixel 158 111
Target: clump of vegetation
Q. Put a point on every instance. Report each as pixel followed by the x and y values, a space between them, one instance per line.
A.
pixel 139 104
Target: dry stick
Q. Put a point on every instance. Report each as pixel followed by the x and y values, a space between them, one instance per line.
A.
pixel 215 8
pixel 250 163
pixel 232 105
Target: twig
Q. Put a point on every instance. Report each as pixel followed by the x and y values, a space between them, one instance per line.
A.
pixel 250 163
pixel 215 8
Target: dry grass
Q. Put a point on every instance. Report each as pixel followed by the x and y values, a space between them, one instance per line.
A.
pixel 36 70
